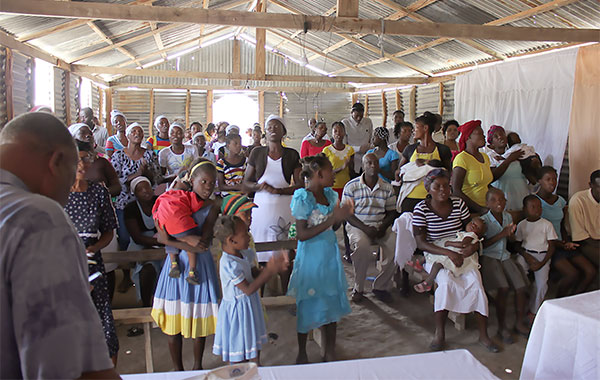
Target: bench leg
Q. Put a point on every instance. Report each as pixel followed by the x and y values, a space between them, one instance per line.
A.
pixel 148 347
pixel 458 319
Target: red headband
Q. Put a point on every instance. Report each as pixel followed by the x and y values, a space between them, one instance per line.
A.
pixel 465 131
pixel 491 131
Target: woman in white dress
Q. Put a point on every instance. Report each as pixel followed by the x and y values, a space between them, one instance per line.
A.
pixel 273 173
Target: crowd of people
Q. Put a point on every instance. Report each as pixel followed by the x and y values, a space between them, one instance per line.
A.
pixel 472 212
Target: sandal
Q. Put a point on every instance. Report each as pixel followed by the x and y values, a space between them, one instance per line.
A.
pixel 134 331
pixel 416 265
pixel 174 272
pixel 422 287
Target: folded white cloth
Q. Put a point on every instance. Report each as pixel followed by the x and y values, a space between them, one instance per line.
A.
pixel 405 240
pixel 412 175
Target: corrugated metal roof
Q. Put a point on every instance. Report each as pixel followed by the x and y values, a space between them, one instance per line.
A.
pixel 79 41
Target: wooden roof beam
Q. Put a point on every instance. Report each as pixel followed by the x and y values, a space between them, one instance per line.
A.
pixel 247 77
pixel 347 8
pixel 110 42
pixel 319 89
pixel 111 11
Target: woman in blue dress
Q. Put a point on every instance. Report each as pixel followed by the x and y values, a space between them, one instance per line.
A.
pixel 388 158
pixel 318 281
pixel 181 309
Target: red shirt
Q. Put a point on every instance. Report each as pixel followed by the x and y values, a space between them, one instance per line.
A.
pixel 308 149
pixel 173 210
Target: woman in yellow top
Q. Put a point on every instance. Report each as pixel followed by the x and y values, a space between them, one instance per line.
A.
pixel 341 157
pixel 471 173
pixel 423 151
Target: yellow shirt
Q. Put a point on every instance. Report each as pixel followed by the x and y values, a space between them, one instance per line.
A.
pixel 478 176
pixel 419 192
pixel 584 216
pixel 338 158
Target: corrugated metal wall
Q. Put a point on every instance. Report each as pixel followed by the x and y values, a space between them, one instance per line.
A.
pixel 135 104
pixel 271 104
pixel 60 100
pixel 376 109
pixel 22 72
pixel 448 101
pixel 75 84
pixel 170 103
pixel 198 107
pixel 427 99
pixel 96 100
pixel 3 103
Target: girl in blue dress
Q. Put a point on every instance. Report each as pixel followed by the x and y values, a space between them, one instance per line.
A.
pixel 388 158
pixel 180 309
pixel 318 281
pixel 241 330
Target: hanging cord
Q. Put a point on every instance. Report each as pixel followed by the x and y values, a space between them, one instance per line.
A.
pixel 380 41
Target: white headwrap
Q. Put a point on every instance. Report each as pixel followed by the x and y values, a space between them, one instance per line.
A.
pixel 275 117
pixel 74 128
pixel 232 129
pixel 196 135
pixel 130 128
pixel 176 125
pixel 136 181
pixel 113 116
pixel 157 120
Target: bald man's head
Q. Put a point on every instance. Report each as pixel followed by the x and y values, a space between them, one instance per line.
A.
pixel 86 116
pixel 38 148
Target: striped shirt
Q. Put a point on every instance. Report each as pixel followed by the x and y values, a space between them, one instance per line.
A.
pixel 158 143
pixel 370 206
pixel 438 228
pixel 234 174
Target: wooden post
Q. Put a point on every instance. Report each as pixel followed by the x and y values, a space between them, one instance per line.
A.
pixel 100 105
pixel 441 100
pixel 188 97
pixel 151 126
pixel 261 109
pixel 68 97
pixel 413 103
pixel 237 60
pixel 366 105
pixel 148 347
pixel 209 106
pixel 108 94
pixel 398 100
pixel 9 85
pixel 384 106
pixel 281 105
pixel 354 99
pixel 260 62
pixel 347 8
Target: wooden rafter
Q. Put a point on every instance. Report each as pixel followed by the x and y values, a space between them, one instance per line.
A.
pixel 319 89
pixel 111 11
pixel 110 42
pixel 328 12
pixel 501 21
pixel 247 77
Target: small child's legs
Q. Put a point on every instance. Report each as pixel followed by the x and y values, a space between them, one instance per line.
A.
pixel 192 278
pixel 175 271
pixel 541 287
pixel 427 284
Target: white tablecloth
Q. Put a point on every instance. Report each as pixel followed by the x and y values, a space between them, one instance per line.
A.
pixel 565 340
pixel 455 364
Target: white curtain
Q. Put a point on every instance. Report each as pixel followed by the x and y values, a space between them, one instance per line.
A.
pixel 531 96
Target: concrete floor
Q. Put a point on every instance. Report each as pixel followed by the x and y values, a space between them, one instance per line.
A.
pixel 374 329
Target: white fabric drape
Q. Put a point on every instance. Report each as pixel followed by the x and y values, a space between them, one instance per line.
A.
pixel 531 96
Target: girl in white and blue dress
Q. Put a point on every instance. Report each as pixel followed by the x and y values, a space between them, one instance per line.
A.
pixel 241 330
pixel 318 281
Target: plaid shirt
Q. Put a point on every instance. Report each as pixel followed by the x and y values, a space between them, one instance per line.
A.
pixel 370 206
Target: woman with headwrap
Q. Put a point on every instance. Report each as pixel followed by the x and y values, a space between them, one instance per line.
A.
pixel 119 140
pixel 100 170
pixel 177 155
pixel 507 172
pixel 471 174
pixel 133 161
pixel 437 217
pixel 269 174
pixel 388 158
pixel 161 140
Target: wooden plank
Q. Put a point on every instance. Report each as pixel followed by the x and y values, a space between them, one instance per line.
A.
pixel 366 105
pixel 132 256
pixel 209 106
pixel 124 316
pixel 8 78
pixel 398 100
pixel 236 60
pixel 111 11
pixel 305 89
pixel 413 103
pixel 278 301
pixel 148 347
pixel 384 106
pixel 245 77
pixel 260 55
pixel 67 89
pixel 100 105
pixel 108 94
pixel 261 110
pixel 151 126
pixel 354 99
pixel 347 8
pixel 441 99
pixel 281 109
pixel 188 97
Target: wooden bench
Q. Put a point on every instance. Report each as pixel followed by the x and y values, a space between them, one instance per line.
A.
pixel 135 316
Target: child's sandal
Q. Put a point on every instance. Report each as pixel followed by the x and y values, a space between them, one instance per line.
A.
pixel 174 272
pixel 422 287
pixel 416 265
pixel 192 278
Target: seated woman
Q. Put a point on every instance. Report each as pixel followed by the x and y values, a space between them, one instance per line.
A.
pixel 471 173
pixel 140 225
pixel 437 217
pixel 93 216
pixel 450 130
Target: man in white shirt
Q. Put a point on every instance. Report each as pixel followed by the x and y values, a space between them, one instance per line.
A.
pixel 86 116
pixel 359 130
